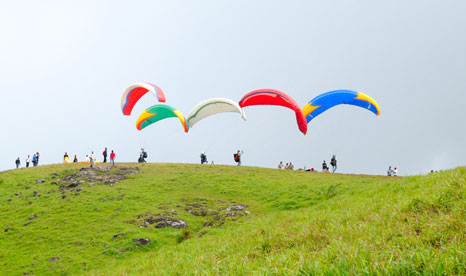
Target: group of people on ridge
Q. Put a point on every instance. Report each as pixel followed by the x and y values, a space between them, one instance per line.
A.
pixel 204 159
pixel 236 157
pixel 325 167
pixel 392 172
pixel 92 159
pixel 287 166
pixel 89 158
pixel 34 160
pixel 112 157
pixel 143 155
pixel 333 163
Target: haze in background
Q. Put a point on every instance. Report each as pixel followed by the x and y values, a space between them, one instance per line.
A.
pixel 64 66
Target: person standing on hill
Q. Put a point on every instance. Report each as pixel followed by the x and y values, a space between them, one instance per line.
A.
pixel 34 160
pixel 237 157
pixel 291 166
pixel 112 159
pixel 142 156
pixel 395 171
pixel 280 165
pixel 37 158
pixel 333 162
pixel 17 162
pixel 92 159
pixel 105 155
pixel 65 156
pixel 75 160
pixel 389 171
pixel 28 160
pixel 203 158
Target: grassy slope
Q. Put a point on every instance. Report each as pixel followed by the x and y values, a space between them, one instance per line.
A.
pixel 308 223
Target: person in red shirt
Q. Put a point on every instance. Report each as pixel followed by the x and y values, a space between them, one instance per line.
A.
pixel 112 159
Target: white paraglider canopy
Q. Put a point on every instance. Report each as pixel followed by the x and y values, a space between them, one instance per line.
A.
pixel 211 107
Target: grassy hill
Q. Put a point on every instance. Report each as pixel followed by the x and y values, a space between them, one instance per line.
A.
pixel 177 219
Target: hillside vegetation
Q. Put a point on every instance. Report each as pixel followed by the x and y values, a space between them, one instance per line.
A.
pixel 179 219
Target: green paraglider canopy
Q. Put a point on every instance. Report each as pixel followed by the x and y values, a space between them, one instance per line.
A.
pixel 159 112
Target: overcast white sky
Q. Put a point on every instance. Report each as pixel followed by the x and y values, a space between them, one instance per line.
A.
pixel 65 64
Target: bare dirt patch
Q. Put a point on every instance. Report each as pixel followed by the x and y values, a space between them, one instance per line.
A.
pixel 100 174
pixel 212 212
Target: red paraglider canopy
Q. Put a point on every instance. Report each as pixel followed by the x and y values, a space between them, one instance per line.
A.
pixel 275 97
pixel 135 91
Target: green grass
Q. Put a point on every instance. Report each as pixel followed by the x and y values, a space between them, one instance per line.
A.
pixel 300 223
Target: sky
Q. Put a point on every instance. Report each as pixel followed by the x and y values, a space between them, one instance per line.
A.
pixel 64 66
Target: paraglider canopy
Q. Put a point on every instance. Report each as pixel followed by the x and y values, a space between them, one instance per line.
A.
pixel 275 97
pixel 330 99
pixel 159 112
pixel 135 91
pixel 211 107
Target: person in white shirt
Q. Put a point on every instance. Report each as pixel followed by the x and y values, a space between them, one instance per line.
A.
pixel 28 160
pixel 92 159
pixel 280 165
pixel 395 171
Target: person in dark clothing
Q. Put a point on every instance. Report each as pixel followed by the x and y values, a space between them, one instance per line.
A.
pixel 324 167
pixel 389 171
pixel 37 159
pixel 105 155
pixel 142 156
pixel 333 162
pixel 142 159
pixel 203 158
pixel 17 162
pixel 75 160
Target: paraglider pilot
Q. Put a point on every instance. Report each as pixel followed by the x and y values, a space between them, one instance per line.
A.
pixel 333 162
pixel 203 158
pixel 237 157
pixel 142 156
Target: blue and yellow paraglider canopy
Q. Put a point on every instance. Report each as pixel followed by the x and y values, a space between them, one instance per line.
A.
pixel 330 99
